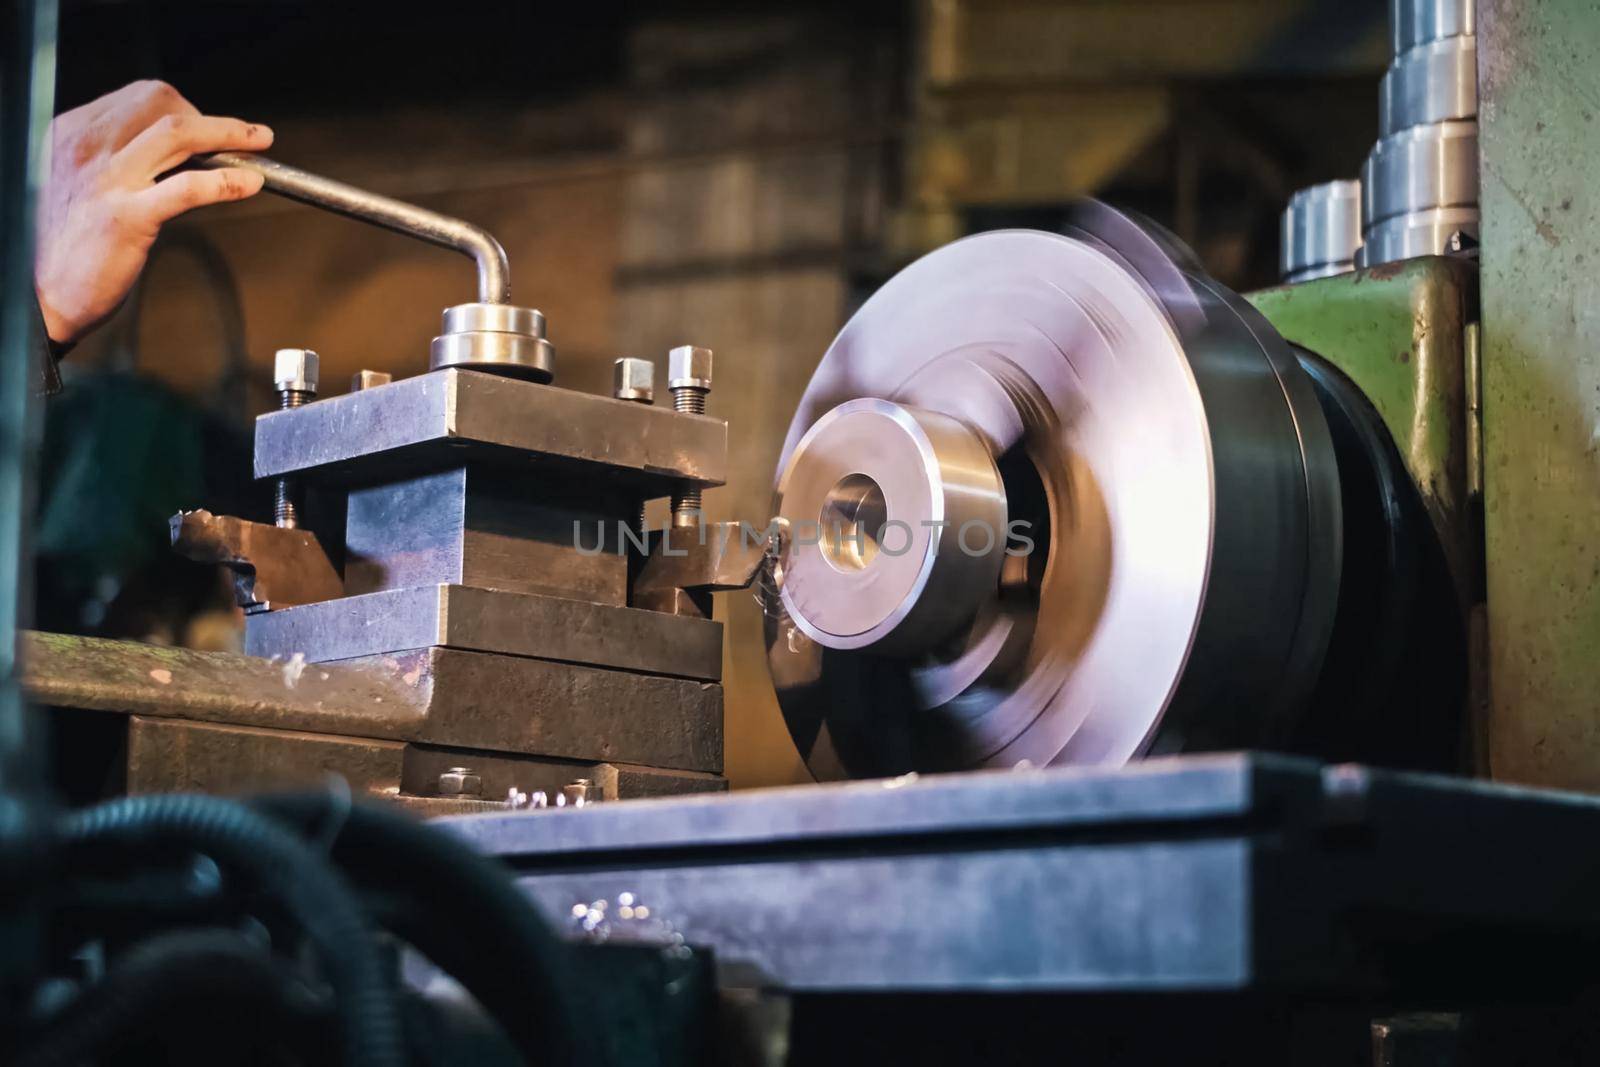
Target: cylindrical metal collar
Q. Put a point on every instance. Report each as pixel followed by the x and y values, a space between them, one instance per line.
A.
pixel 1321 227
pixel 898 518
pixel 1419 169
pixel 1434 82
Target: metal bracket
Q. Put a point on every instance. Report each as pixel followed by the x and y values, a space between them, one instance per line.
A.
pixel 273 566
pixel 687 564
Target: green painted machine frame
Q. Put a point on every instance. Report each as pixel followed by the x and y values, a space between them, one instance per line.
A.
pixel 1407 335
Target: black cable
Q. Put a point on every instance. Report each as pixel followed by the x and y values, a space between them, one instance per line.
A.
pixel 241 840
pixel 463 911
pixel 171 971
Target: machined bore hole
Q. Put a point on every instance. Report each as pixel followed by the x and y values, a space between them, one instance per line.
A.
pixel 852 520
pixel 1028 532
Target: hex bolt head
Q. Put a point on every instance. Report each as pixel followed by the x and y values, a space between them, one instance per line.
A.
pixel 369 379
pixel 633 379
pixel 295 370
pixel 460 782
pixel 577 793
pixel 689 367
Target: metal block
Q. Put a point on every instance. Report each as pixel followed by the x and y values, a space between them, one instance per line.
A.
pixel 516 704
pixel 618 781
pixel 479 620
pixel 133 678
pixel 273 566
pixel 451 417
pixel 484 528
pixel 169 756
pixel 1400 333
pixel 501 773
pixel 439 696
pixel 1215 873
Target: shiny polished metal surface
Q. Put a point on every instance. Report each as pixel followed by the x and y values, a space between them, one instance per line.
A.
pixel 498 338
pixel 1175 477
pixel 1422 233
pixel 1433 82
pixel 494 271
pixel 490 334
pixel 1414 22
pixel 493 318
pixel 1327 270
pixel 909 520
pixel 1321 230
pixel 633 379
pixel 1420 168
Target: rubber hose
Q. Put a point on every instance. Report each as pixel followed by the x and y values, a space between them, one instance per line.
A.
pixel 464 912
pixel 165 972
pixel 269 856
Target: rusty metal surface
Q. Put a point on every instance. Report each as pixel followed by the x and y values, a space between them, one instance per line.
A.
pixel 514 704
pixel 453 416
pixel 169 756
pixel 501 774
pixel 1400 332
pixel 272 566
pixel 441 697
pixel 481 620
pixel 222 722
pixel 125 676
pixel 440 807
pixel 621 782
pixel 1540 139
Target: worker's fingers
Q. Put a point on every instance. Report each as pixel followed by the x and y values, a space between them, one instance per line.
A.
pixel 171 139
pixel 134 107
pixel 195 188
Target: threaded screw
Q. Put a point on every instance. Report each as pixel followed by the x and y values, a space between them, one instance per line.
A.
pixel 295 373
pixel 689 380
pixel 634 380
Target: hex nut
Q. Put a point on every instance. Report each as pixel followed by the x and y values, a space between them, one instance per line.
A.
pixel 295 370
pixel 689 367
pixel 633 379
pixel 460 781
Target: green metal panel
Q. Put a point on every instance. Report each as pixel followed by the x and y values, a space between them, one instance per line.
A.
pixel 1539 89
pixel 1400 332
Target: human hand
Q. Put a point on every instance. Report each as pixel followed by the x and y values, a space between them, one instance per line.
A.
pixel 102 206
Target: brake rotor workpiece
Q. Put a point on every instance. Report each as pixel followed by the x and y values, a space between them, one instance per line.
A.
pixel 1074 502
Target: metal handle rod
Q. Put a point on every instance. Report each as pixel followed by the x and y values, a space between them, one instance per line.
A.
pixel 494 272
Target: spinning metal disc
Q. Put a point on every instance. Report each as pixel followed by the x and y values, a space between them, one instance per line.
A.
pixel 1142 427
